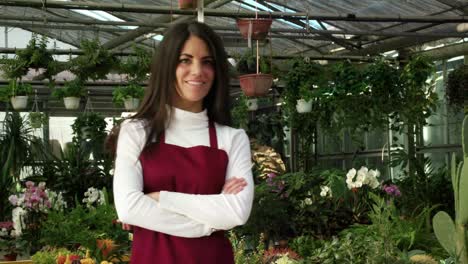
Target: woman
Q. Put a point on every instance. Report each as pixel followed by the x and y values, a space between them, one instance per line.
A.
pixel 182 176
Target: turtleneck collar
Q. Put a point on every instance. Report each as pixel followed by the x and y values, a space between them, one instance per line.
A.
pixel 188 120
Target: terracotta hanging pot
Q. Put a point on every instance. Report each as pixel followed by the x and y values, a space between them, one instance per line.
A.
pixel 187 4
pixel 257 27
pixel 255 84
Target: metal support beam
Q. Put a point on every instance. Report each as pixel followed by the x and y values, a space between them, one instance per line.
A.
pixel 135 8
pixel 300 32
pixel 447 52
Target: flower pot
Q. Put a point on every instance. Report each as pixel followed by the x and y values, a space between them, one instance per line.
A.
pixel 258 28
pixel 10 257
pixel 19 102
pixel 255 84
pixel 304 106
pixel 252 104
pixel 187 4
pixel 71 103
pixel 131 103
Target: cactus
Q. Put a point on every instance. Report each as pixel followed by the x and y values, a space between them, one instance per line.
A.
pixel 453 235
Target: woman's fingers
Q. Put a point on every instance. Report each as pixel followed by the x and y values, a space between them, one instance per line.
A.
pixel 126 227
pixel 234 185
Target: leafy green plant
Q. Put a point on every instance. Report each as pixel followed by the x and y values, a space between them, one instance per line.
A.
pixel 15 88
pixel 247 64
pixel 73 88
pixel 132 90
pixel 136 67
pixel 456 85
pixel 35 56
pixel 37 119
pixel 95 62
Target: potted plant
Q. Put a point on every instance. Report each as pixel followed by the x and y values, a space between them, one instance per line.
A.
pixel 37 119
pixel 252 104
pixel 95 63
pixel 129 95
pixel 18 93
pixel 10 244
pixel 136 67
pixel 253 82
pixel 187 4
pixel 254 28
pixel 70 93
pixel 304 104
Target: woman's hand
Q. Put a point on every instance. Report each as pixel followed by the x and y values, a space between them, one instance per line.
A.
pixel 234 185
pixel 154 195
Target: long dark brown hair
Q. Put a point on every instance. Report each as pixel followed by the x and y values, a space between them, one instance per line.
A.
pixel 161 87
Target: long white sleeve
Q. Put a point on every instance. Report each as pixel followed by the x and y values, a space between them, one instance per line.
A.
pixel 221 211
pixel 135 208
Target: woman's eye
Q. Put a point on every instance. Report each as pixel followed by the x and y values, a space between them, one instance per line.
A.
pixel 184 61
pixel 208 62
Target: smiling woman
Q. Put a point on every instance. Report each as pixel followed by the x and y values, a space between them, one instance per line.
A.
pixel 182 175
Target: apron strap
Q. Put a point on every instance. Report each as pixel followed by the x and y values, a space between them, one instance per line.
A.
pixel 213 138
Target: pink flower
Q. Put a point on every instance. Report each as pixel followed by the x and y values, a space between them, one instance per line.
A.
pixel 29 184
pixel 392 190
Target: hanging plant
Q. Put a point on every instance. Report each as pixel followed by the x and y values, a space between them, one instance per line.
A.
pixel 37 119
pixel 251 82
pixel 34 56
pixel 95 63
pixel 89 125
pixel 136 67
pixel 17 93
pixel 456 87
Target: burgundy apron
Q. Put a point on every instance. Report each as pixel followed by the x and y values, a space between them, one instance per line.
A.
pixel 194 170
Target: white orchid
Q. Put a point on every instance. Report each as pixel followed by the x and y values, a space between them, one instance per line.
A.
pixel 363 177
pixel 325 190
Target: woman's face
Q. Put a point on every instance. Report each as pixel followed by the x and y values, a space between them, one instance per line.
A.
pixel 194 75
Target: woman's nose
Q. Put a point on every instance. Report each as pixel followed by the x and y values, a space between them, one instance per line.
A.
pixel 196 68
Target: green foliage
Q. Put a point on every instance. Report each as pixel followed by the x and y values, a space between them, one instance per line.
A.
pixel 82 226
pixel 49 255
pixel 268 129
pixel 95 63
pixel 73 88
pixel 136 67
pixel 89 125
pixel 132 90
pixel 15 88
pixel 37 119
pixel 242 254
pixel 247 64
pixel 240 113
pixel 18 148
pixel 34 56
pixel 456 85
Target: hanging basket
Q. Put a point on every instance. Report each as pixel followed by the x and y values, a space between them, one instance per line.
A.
pixel 304 106
pixel 19 102
pixel 187 4
pixel 71 103
pixel 259 27
pixel 131 103
pixel 256 84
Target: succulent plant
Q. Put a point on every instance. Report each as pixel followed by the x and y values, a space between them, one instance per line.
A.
pixel 453 235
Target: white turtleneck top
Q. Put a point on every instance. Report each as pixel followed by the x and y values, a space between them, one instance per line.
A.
pixel 181 214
